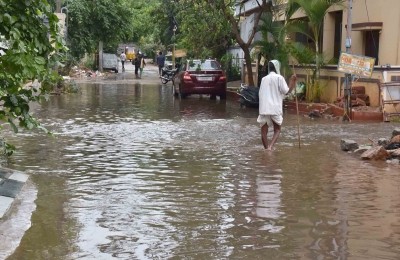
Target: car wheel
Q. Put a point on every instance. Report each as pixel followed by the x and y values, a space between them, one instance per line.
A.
pixel 223 96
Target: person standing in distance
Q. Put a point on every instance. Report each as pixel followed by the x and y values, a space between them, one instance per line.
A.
pixel 136 62
pixel 160 62
pixel 123 59
pixel 272 91
pixel 142 65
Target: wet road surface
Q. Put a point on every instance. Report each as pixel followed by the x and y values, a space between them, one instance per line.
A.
pixel 134 173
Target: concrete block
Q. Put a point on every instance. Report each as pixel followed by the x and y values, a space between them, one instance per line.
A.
pixel 10 188
pixel 17 176
pixel 5 204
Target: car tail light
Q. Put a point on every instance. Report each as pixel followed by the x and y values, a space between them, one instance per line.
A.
pixel 186 76
pixel 222 77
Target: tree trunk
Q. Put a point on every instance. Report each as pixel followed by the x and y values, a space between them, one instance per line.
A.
pixel 101 56
pixel 58 6
pixel 264 6
pixel 249 67
pixel 317 59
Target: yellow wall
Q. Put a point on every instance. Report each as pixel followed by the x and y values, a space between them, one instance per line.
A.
pixel 387 12
pixel 364 11
pixel 384 11
pixel 332 83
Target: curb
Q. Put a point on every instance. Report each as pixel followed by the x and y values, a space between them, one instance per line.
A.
pixel 11 183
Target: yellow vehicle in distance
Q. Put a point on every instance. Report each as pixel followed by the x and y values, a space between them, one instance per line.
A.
pixel 130 53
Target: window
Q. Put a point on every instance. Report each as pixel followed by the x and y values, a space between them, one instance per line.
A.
pixel 206 65
pixel 372 44
pixel 338 16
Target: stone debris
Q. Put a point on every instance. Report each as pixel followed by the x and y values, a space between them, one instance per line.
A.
pixel 394 153
pixel 383 141
pixel 85 73
pixel 377 153
pixel 348 145
pixel 358 98
pixel 382 150
pixel 315 114
pixel 362 149
pixel 395 139
pixel 395 132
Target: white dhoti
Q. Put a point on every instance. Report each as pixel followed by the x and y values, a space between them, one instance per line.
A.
pixel 267 119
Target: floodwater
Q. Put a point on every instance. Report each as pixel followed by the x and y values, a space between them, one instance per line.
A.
pixel 133 173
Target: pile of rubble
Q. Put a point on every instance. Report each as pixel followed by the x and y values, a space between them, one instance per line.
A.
pixel 84 73
pixel 384 149
pixel 358 97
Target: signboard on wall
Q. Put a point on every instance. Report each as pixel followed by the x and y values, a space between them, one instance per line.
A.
pixel 354 64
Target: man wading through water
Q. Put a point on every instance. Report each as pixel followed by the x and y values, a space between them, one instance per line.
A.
pixel 273 89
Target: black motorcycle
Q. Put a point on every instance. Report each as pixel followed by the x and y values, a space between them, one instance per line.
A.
pixel 248 95
pixel 167 75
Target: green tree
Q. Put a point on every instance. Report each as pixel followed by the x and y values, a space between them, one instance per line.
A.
pixel 311 27
pixel 226 8
pixel 203 30
pixel 91 22
pixel 273 44
pixel 29 49
pixel 205 21
pixel 149 24
pixel 80 39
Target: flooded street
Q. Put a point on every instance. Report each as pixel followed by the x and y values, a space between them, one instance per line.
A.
pixel 134 173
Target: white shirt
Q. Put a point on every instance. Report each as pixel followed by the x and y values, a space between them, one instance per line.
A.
pixel 123 57
pixel 272 91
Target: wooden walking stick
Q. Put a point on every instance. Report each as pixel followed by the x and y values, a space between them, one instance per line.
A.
pixel 297 108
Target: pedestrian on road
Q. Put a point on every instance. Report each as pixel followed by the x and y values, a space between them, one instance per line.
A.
pixel 142 64
pixel 160 62
pixel 123 59
pixel 272 91
pixel 136 62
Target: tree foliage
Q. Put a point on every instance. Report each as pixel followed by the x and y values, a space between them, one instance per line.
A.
pixel 312 27
pixel 273 44
pixel 149 24
pixel 30 47
pixel 90 22
pixel 224 11
pixel 202 29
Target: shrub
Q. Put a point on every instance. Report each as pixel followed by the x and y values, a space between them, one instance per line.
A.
pixel 231 69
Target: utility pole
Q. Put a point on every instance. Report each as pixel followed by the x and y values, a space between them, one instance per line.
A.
pixel 58 6
pixel 173 49
pixel 174 43
pixel 348 78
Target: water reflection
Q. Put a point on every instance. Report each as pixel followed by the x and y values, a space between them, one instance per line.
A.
pixel 142 175
pixel 268 194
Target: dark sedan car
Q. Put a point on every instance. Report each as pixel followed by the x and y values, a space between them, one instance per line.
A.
pixel 200 77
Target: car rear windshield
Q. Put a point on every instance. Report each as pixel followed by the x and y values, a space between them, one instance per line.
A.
pixel 205 65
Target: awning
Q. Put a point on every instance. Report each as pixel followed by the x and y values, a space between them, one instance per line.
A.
pixel 369 26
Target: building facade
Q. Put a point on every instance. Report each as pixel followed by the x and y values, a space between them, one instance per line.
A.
pixel 375 33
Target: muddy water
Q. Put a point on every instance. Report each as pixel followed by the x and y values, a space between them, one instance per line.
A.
pixel 132 173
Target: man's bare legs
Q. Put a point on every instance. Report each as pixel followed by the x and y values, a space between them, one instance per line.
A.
pixel 277 131
pixel 264 132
